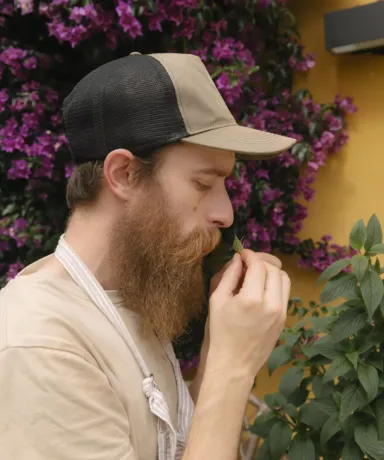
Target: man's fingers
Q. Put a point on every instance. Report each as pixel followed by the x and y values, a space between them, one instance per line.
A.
pixel 252 289
pixel 269 259
pixel 273 287
pixel 217 277
pixel 230 278
pixel 286 289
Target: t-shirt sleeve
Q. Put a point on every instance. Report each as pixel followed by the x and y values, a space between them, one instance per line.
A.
pixel 56 405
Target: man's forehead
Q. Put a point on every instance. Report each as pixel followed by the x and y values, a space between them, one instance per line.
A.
pixel 201 159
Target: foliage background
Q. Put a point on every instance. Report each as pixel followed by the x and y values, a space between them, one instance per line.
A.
pixel 252 50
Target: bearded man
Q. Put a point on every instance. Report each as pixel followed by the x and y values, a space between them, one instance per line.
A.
pixel 87 370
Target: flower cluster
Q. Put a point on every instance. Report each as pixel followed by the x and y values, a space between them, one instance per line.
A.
pixel 252 68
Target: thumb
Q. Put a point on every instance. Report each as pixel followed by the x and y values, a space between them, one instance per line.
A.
pixel 230 278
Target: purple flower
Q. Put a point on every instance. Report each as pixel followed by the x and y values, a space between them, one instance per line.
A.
pixel 239 189
pixel 345 104
pixel 187 29
pixel 19 170
pixel 271 195
pixel 127 21
pixel 261 174
pixel 278 214
pixel 13 270
pixel 335 123
pixel 26 6
pixel 68 170
pixel 77 35
pixel 12 54
pixel 30 63
pixel 154 23
pixel 56 119
pixel 201 53
pixel 3 99
pixel 223 49
pixel 327 139
pixel 217 26
pixel 264 3
pixel 231 93
pixel 256 232
pixel 17 231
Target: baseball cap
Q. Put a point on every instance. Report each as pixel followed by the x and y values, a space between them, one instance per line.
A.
pixel 145 102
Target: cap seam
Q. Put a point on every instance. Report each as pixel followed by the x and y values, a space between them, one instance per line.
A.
pixel 176 88
pixel 212 128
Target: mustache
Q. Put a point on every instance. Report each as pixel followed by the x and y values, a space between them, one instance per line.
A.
pixel 196 246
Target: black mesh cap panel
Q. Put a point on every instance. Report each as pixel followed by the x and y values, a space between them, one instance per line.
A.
pixel 128 103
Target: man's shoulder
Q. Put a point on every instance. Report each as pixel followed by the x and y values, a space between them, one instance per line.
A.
pixel 42 312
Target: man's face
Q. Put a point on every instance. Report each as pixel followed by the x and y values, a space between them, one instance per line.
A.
pixel 171 223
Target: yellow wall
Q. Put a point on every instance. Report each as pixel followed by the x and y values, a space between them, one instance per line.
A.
pixel 351 185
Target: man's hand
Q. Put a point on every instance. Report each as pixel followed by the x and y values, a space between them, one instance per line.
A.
pixel 248 308
pixel 215 281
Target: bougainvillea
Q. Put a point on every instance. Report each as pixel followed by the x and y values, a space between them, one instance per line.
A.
pixel 252 50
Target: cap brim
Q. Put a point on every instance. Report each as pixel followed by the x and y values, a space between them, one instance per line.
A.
pixel 247 143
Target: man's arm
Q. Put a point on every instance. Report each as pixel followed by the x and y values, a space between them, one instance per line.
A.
pixel 245 323
pixel 56 405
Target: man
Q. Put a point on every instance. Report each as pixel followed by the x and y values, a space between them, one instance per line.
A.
pixel 86 367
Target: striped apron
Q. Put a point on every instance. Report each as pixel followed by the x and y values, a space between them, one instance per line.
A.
pixel 171 440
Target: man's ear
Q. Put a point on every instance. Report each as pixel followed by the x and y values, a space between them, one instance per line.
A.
pixel 120 167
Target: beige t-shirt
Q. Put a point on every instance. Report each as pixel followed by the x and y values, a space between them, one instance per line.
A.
pixel 70 388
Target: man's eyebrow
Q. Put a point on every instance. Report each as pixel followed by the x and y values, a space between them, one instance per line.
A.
pixel 215 171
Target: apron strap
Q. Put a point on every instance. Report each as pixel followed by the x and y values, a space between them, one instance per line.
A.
pixel 85 279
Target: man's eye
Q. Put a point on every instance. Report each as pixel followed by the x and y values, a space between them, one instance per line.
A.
pixel 203 187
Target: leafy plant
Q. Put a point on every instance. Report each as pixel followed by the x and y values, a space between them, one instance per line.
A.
pixel 330 402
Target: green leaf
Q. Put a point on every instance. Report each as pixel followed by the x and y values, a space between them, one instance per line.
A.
pixel 374 233
pixel 377 249
pixel 359 266
pixel 353 357
pixel 264 453
pixel 302 449
pixel 366 438
pixel 352 451
pixel 291 410
pixel 334 270
pixel 372 290
pixel 337 368
pixel 327 406
pixel 358 235
pixel 322 323
pixel 290 337
pixel 367 410
pixel 291 380
pixel 330 428
pixel 336 395
pixel 264 423
pixel 9 209
pixel 349 323
pixel 352 398
pixel 237 245
pixel 299 396
pixel 312 415
pixel 369 379
pixel 281 355
pixel 342 286
pixel 377 267
pixel 317 386
pixel 324 346
pixel 379 412
pixel 376 360
pixel 279 439
pixel 275 400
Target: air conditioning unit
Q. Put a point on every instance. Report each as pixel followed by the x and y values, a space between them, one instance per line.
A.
pixel 355 30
